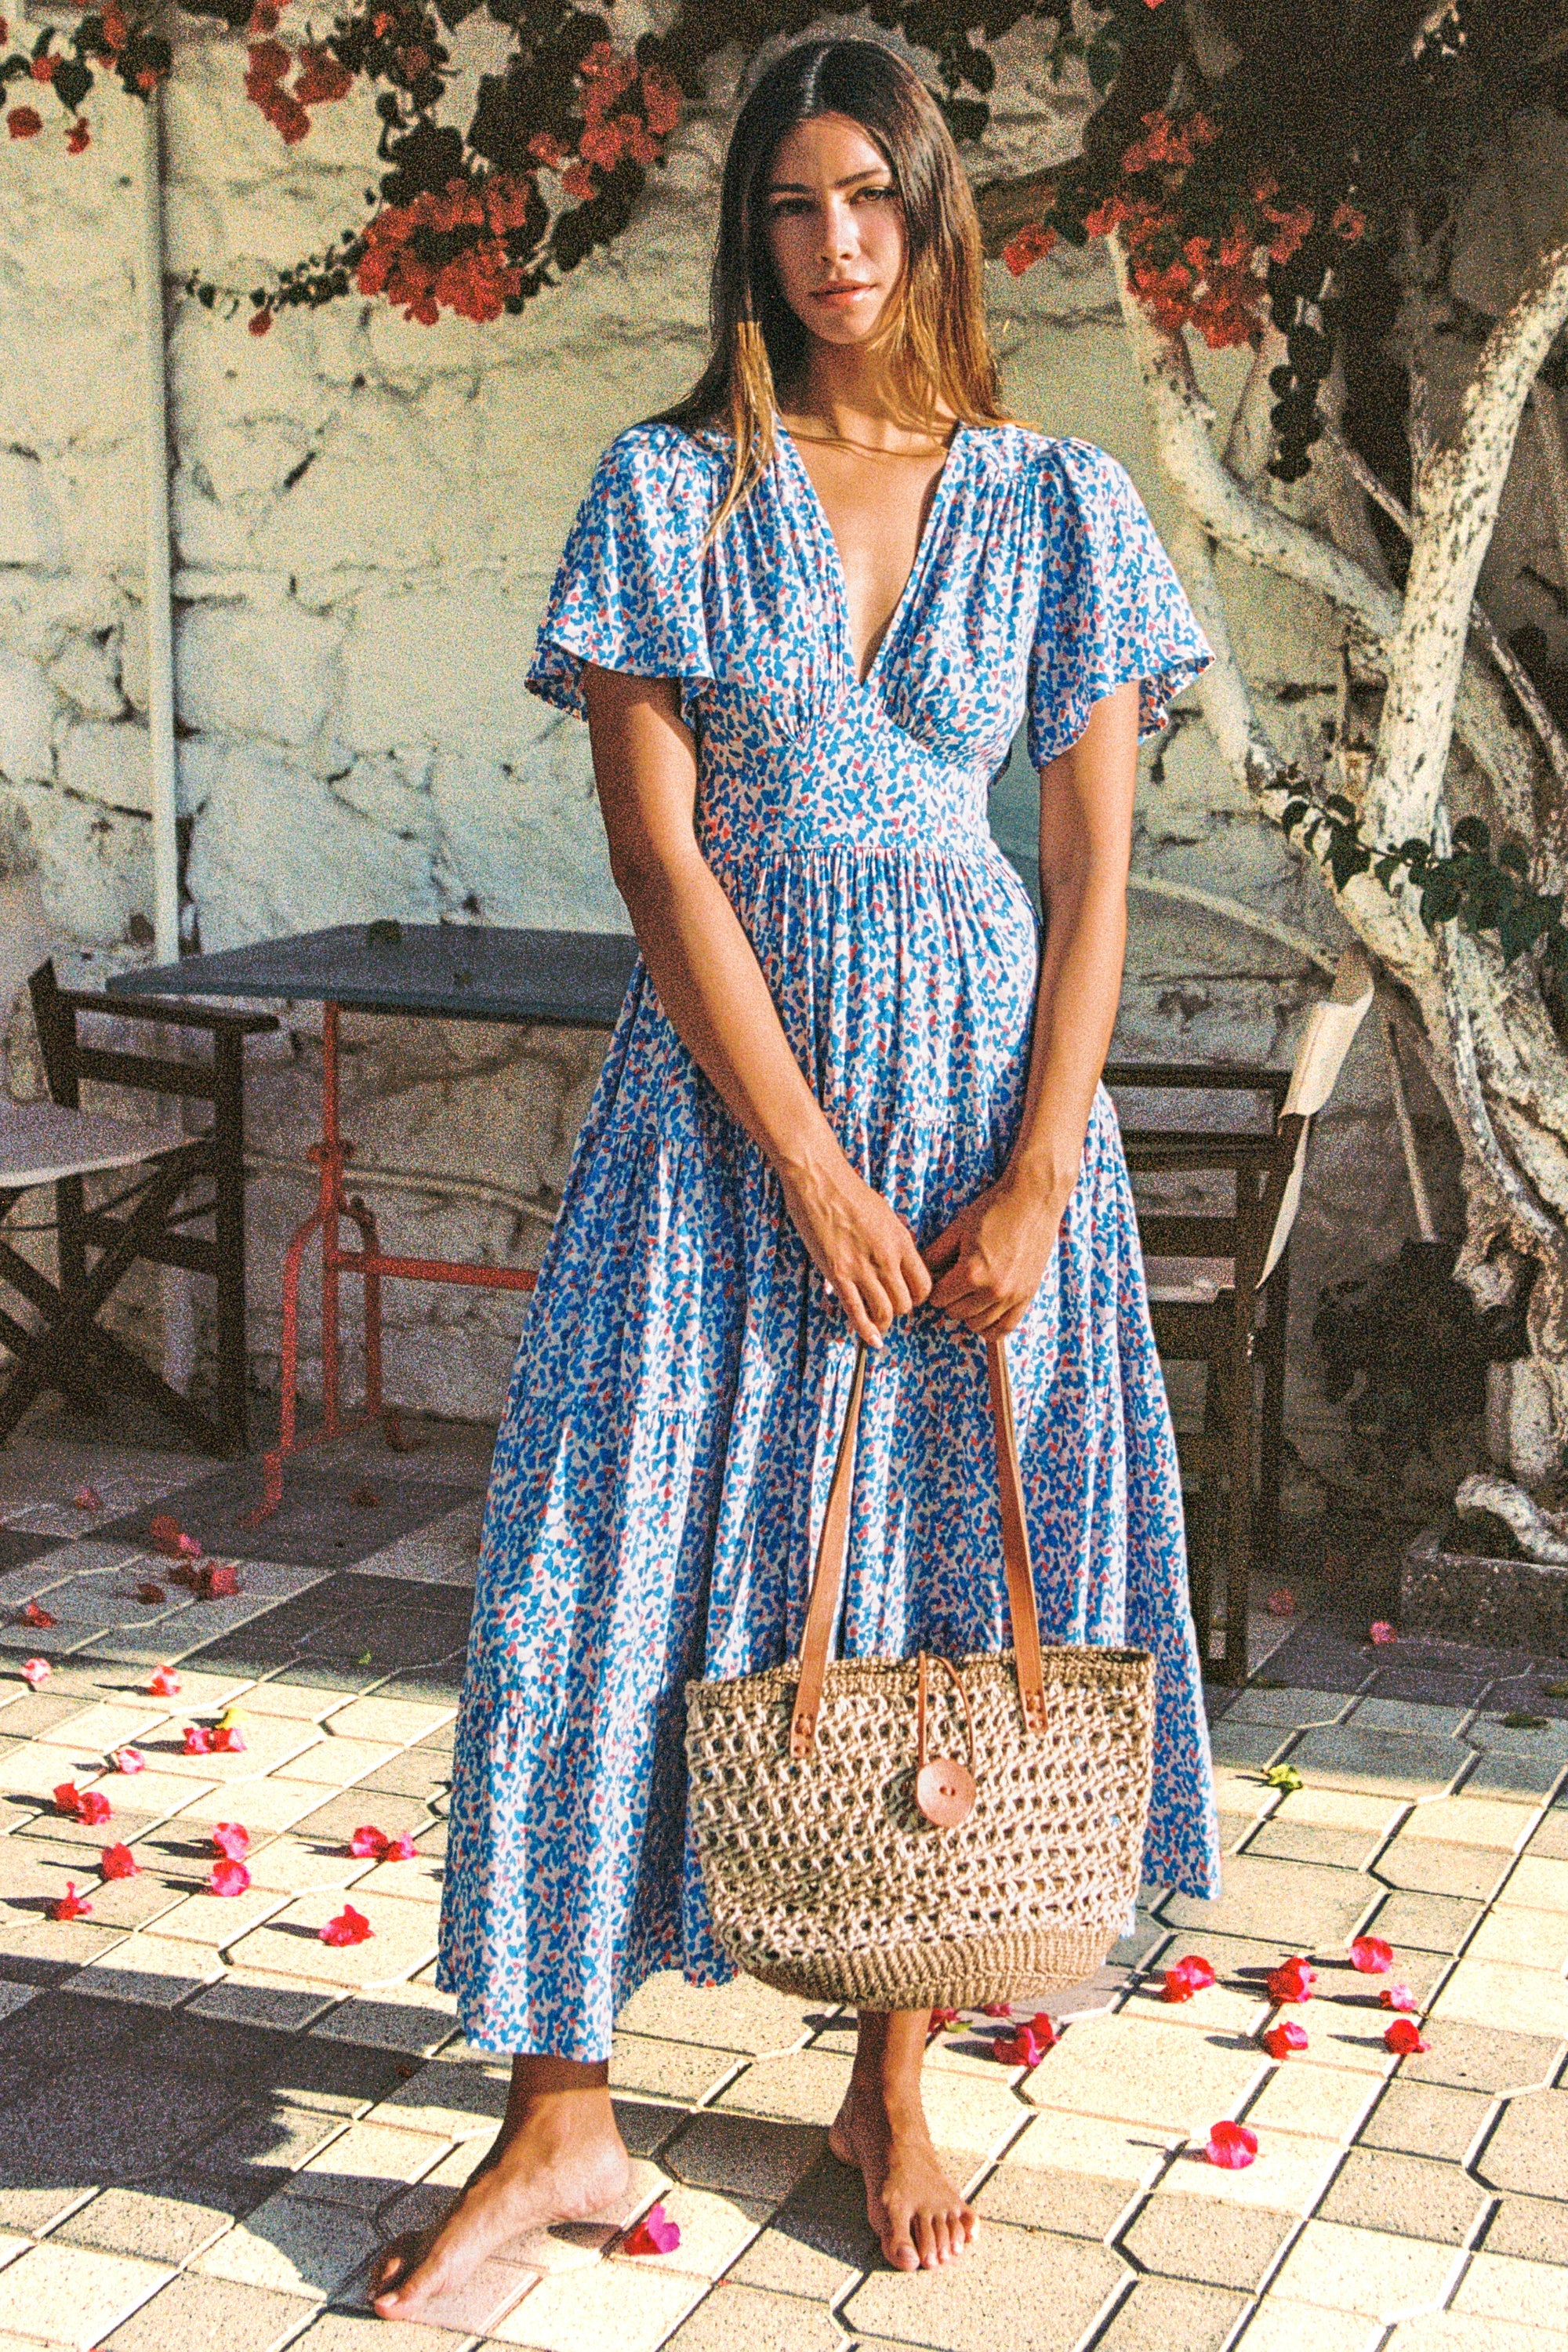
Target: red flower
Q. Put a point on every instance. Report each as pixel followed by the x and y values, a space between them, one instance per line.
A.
pixel 1028 2045
pixel 70 1905
pixel 367 1840
pixel 1280 2040
pixel 70 1800
pixel 1404 2037
pixel 149 1593
pixel 350 1927
pixel 656 2233
pixel 1371 1955
pixel 998 2009
pixel 166 1536
pixel 1398 1996
pixel 232 1839
pixel 227 1739
pixel 218 1580
pixel 227 1877
pixel 1348 221
pixel 45 68
pixel 198 1739
pixel 86 1498
pixel 32 1615
pixel 116 31
pixel 261 322
pixel 1382 1632
pixel 35 1672
pixel 119 1862
pixel 1187 1977
pixel 164 1682
pixel 321 77
pixel 147 79
pixel 1031 245
pixel 129 1760
pixel 577 182
pixel 1232 2146
pixel 92 1807
pixel 1282 1604
pixel 1292 1981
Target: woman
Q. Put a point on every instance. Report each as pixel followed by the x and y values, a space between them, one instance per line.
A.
pixel 850 1092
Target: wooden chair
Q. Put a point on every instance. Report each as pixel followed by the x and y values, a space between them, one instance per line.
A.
pixel 1218 1290
pixel 181 1180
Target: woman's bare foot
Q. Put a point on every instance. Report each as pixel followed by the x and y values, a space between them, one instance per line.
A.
pixel 557 2156
pixel 916 2211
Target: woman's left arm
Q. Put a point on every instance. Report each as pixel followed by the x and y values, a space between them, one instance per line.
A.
pixel 989 1261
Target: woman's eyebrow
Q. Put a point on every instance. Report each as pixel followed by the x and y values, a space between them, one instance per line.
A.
pixel 799 188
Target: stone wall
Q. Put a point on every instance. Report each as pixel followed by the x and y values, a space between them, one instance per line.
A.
pixel 367 515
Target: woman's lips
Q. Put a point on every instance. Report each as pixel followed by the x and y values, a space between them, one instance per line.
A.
pixel 838 293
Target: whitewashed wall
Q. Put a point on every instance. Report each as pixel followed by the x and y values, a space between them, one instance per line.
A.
pixel 367 515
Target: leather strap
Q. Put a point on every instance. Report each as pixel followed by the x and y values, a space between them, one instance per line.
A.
pixel 828 1577
pixel 956 1679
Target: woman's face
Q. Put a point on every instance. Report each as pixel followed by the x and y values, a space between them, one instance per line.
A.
pixel 836 227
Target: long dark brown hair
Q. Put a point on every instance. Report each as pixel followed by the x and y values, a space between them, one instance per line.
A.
pixel 940 350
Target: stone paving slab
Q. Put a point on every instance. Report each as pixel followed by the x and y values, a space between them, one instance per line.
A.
pixel 201 2089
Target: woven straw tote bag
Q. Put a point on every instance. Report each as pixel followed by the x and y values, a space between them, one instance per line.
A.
pixel 918 1832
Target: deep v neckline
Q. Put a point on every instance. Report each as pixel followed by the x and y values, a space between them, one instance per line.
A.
pixel 940 497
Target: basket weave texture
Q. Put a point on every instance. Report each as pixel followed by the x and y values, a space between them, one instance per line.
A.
pixel 823 1878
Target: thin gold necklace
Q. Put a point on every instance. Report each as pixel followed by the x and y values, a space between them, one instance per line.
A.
pixel 868 448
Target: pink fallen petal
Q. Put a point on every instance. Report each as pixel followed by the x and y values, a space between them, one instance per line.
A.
pixel 198 1739
pixel 1382 1632
pixel 1371 1955
pixel 129 1760
pixel 187 1546
pixel 1398 1996
pixel 1187 1976
pixel 228 1740
pixel 1020 2049
pixel 150 1595
pixel 34 1614
pixel 67 1798
pixel 998 2009
pixel 656 2233
pixel 1282 1604
pixel 368 1840
pixel 1405 2038
pixel 88 1498
pixel 1282 2039
pixel 1043 2026
pixel 400 1849
pixel 348 1927
pixel 70 1905
pixel 35 1671
pixel 92 1807
pixel 229 1877
pixel 164 1682
pixel 1233 2146
pixel 119 1862
pixel 232 1839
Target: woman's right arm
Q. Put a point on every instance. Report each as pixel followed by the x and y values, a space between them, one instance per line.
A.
pixel 711 986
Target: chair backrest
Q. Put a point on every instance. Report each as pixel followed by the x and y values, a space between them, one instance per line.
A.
pixel 1319 1057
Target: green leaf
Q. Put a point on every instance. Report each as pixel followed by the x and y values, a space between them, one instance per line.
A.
pixel 364 1659
pixel 1519 1718
pixel 1471 834
pixel 1515 857
pixel 1336 804
pixel 1554 1690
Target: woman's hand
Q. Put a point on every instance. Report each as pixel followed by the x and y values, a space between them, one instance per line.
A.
pixel 988 1263
pixel 865 1251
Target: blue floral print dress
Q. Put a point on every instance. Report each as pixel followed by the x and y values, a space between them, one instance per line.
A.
pixel 662 1468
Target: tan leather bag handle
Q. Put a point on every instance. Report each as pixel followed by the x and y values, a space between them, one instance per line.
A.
pixel 828 1577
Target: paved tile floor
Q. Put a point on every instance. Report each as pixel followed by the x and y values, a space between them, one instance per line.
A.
pixel 208 2115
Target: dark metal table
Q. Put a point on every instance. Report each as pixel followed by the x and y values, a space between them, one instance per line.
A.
pixel 565 979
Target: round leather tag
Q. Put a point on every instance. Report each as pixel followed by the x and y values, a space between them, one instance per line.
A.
pixel 944 1791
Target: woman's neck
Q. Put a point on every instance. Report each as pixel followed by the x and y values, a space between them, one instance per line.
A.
pixel 842 395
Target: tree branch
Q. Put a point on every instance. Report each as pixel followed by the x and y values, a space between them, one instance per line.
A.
pixel 1553 743
pixel 1460 489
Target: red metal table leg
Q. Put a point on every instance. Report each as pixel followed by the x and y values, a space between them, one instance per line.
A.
pixel 331 1156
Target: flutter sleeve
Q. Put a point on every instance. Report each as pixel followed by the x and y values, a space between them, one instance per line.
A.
pixel 628 588
pixel 1111 607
